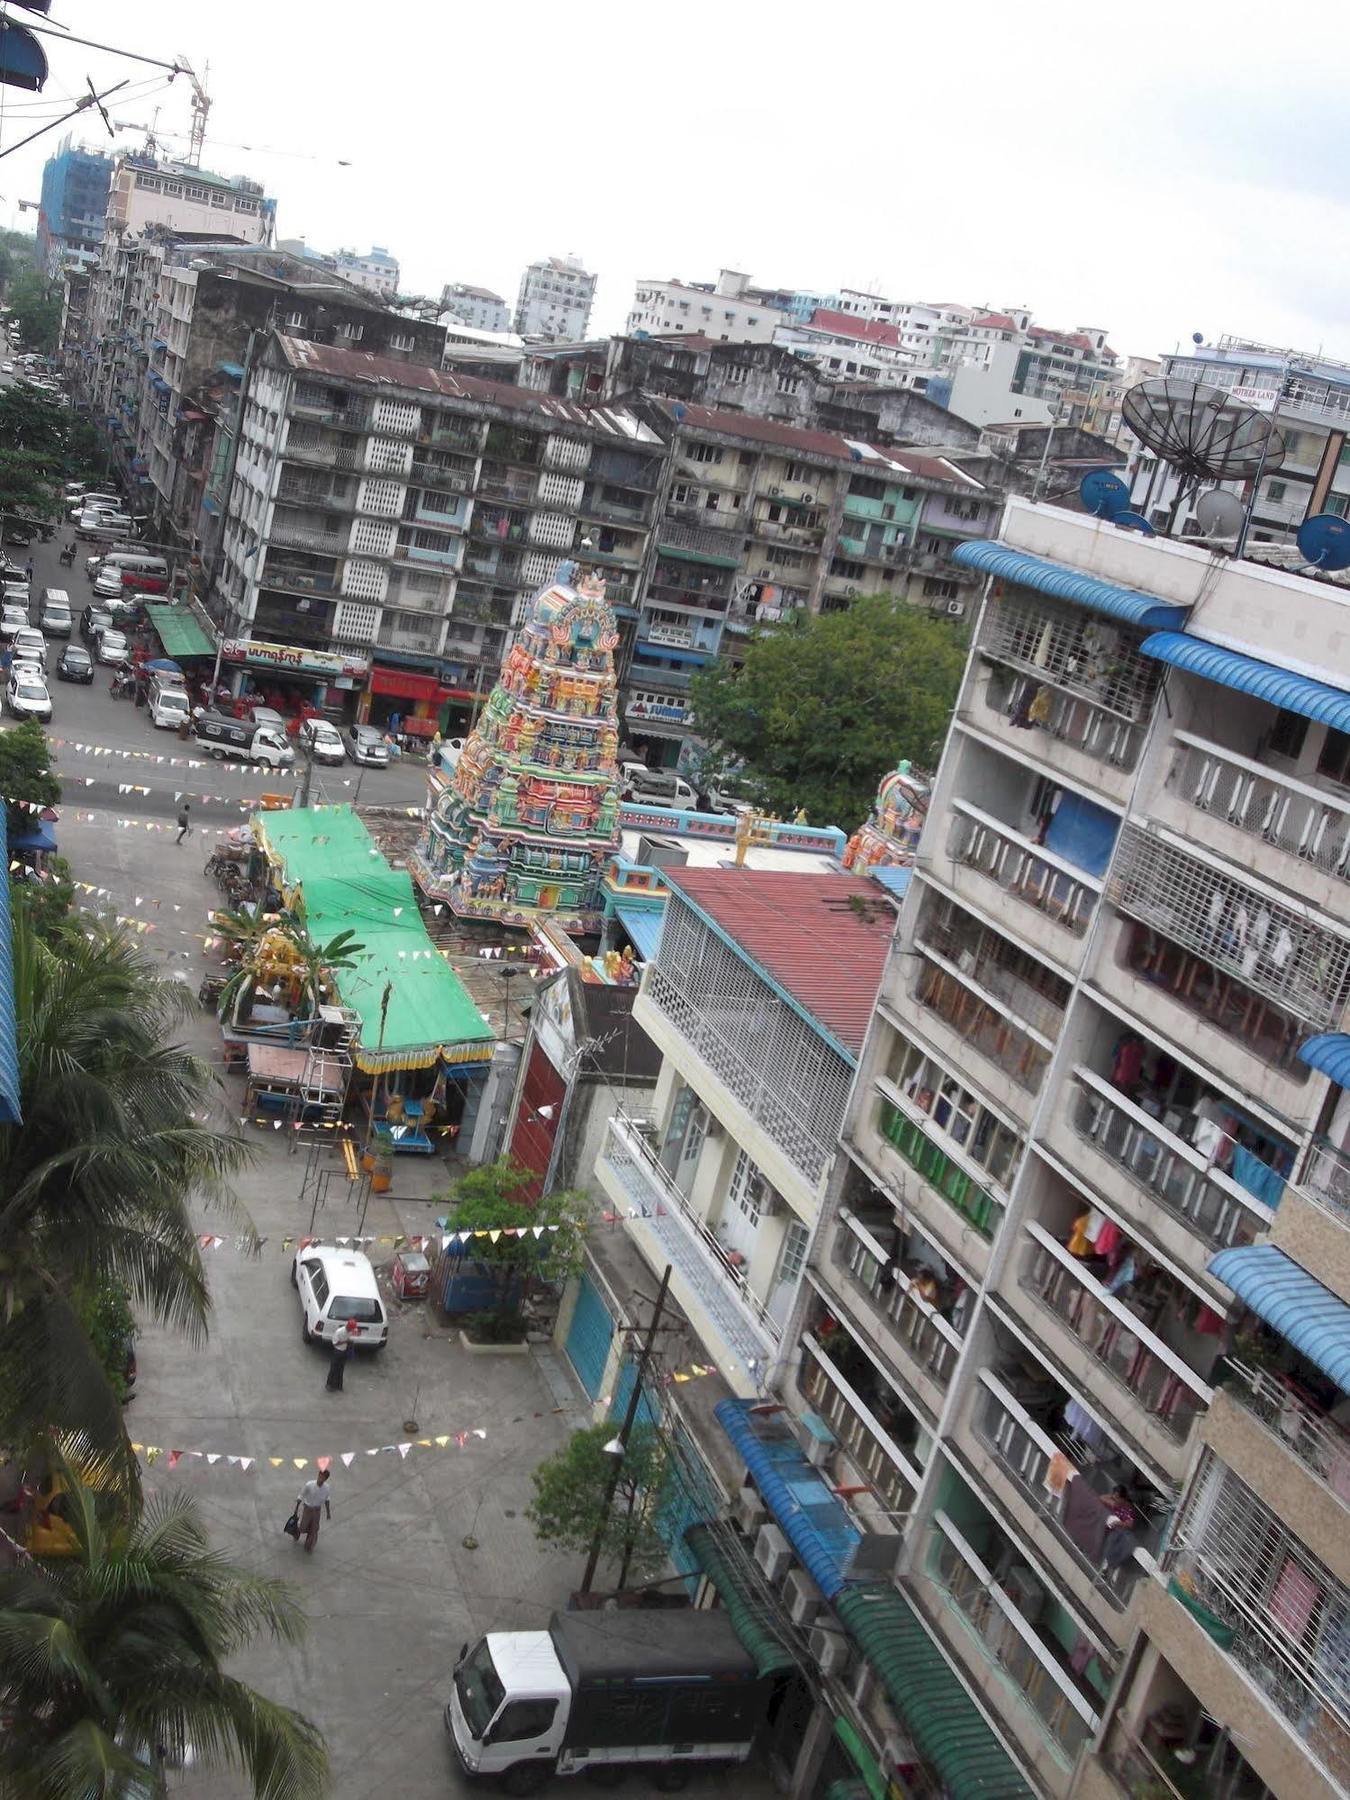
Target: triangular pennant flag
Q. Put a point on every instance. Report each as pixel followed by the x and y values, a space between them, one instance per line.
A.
pixel 301 1462
pixel 403 1449
pixel 443 1440
pixel 212 1458
pixel 276 1461
pixel 323 1462
pixel 175 1457
pixel 374 1452
pixel 246 1463
pixel 348 1458
pixel 478 1432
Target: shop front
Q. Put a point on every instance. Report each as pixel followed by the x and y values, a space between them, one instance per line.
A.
pixel 410 702
pixel 293 677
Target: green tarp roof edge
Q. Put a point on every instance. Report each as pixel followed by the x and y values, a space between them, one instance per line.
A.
pixel 947 1727
pixel 749 1615
pixel 179 632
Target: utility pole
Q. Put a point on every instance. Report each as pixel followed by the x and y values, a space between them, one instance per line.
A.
pixel 625 1432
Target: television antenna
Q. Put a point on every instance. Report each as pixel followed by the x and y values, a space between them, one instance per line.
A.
pixel 1202 434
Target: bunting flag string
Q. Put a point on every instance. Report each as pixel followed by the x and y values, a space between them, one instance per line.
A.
pixel 150 1454
pixel 248 1245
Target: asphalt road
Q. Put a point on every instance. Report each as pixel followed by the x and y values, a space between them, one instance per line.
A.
pixel 108 753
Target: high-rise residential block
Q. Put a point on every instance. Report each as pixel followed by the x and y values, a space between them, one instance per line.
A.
pixel 555 299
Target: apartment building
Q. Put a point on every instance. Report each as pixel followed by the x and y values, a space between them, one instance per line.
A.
pixel 851 348
pixel 73 205
pixel 1075 1319
pixel 760 520
pixel 146 190
pixel 731 311
pixel 476 306
pixel 405 512
pixel 1309 395
pixel 374 270
pixel 756 1000
pixel 555 299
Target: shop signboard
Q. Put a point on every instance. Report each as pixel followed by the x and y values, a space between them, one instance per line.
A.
pixel 297 659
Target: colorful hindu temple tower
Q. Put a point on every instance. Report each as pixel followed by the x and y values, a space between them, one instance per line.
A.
pixel 523 829
pixel 891 834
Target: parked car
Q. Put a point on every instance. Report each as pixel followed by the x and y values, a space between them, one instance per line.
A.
pixel 108 584
pixel 6 368
pixel 26 695
pixel 661 787
pixel 54 612
pixel 12 618
pixel 321 740
pixel 112 646
pixel 30 645
pixel 76 664
pixel 93 620
pixel 336 1286
pixel 364 744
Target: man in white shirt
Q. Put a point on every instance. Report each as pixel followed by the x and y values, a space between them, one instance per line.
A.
pixel 313 1499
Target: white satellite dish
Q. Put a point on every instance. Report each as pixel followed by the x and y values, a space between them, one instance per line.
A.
pixel 1219 515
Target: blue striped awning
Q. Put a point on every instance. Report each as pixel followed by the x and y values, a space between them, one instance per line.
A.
pixel 1329 1053
pixel 1292 1302
pixel 1280 687
pixel 643 928
pixel 1064 583
pixel 810 1517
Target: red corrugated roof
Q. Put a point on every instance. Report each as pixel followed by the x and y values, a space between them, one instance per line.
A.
pixel 849 325
pixel 993 321
pixel 802 931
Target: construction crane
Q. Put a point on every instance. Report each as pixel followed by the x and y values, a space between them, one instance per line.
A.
pixel 201 106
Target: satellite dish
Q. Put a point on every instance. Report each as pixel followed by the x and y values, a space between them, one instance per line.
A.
pixel 1103 493
pixel 1325 542
pixel 1219 515
pixel 1201 432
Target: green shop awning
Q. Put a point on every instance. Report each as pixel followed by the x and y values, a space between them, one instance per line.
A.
pixel 753 1617
pixel 682 554
pixel 345 884
pixel 179 632
pixel 947 1727
pixel 870 1783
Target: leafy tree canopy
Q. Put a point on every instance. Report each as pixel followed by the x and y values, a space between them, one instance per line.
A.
pixel 35 303
pixel 491 1197
pixel 571 1489
pixel 824 706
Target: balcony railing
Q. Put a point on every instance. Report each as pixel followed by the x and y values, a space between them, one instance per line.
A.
pixel 1025 1453
pixel 933 1343
pixel 694 537
pixel 704 1263
pixel 1033 705
pixel 1009 1641
pixel 975 1203
pixel 1326 1179
pixel 1032 875
pixel 1172 1173
pixel 867 1438
pixel 504 487
pixel 1304 821
pixel 957 1000
pixel 1170 1393
pixel 305 537
pixel 1319 1445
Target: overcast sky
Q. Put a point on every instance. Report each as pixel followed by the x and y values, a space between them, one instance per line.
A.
pixel 1154 169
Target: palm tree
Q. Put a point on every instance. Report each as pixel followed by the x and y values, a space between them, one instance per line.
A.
pixel 320 960
pixel 111 1662
pixel 95 1183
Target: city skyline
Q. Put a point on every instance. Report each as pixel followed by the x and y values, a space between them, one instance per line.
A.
pixel 1170 203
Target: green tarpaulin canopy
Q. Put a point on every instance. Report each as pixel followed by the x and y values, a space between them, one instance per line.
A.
pixel 179 632
pixel 345 884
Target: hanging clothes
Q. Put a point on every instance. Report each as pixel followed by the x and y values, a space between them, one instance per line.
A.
pixel 1084 1519
pixel 1080 1244
pixel 1059 1472
pixel 1108 1238
pixel 1083 1426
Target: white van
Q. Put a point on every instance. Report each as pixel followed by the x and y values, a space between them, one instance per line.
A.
pixel 337 1286
pixel 168 704
pixel 54 612
pixel 140 573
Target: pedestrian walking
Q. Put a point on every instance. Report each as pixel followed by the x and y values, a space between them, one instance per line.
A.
pixel 313 1499
pixel 337 1356
pixel 28 571
pixel 184 822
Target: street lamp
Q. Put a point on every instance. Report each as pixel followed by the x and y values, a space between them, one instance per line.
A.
pixel 508 975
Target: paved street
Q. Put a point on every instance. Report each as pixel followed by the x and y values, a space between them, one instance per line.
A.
pixel 425 1549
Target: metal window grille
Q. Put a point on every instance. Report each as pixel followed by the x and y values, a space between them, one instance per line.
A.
pixel 1289 1616
pixel 372 537
pixel 792 1258
pixel 1068 648
pixel 365 581
pixel 385 497
pixel 355 624
pixel 1031 703
pixel 746 1189
pixel 767 1054
pixel 397 415
pixel 1272 949
pixel 1033 992
pixel 384 456
pixel 1260 802
pixel 1016 867
pixel 955 1112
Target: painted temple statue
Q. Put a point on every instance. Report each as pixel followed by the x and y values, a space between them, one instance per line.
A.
pixel 891 834
pixel 532 811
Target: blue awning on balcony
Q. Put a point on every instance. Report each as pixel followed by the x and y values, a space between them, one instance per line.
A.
pixel 672 654
pixel 233 370
pixel 1063 583
pixel 1292 1302
pixel 1280 687
pixel 810 1517
pixel 643 928
pixel 1330 1054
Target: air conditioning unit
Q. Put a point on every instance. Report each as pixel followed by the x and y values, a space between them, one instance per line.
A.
pixel 802 1597
pixel 773 1553
pixel 808 499
pixel 955 608
pixel 775 493
pixel 851 593
pixel 749 1512
pixel 829 1649
pixel 765 573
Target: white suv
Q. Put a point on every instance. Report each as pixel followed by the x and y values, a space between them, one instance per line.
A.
pixel 336 1285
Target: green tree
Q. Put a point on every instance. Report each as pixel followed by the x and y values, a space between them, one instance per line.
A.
pixel 571 1491
pixel 824 706
pixel 490 1198
pixel 35 452
pixel 95 1182
pixel 113 1662
pixel 26 775
pixel 35 303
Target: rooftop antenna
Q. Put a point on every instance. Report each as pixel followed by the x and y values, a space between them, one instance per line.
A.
pixel 1202 434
